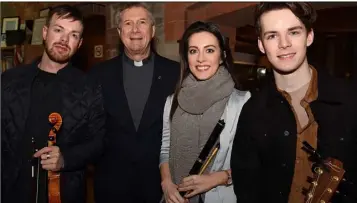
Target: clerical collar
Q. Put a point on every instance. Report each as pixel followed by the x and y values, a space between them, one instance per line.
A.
pixel 139 63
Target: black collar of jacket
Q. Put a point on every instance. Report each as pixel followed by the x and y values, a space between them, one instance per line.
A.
pixel 66 71
pixel 330 90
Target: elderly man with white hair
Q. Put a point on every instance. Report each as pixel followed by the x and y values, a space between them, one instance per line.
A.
pixel 135 85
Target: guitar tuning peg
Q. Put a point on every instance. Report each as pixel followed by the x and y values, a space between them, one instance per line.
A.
pixel 335 178
pixel 319 171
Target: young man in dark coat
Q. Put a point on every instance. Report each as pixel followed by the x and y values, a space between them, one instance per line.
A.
pixel 29 94
pixel 135 86
pixel 298 104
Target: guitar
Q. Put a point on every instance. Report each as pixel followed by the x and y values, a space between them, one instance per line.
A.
pixel 327 175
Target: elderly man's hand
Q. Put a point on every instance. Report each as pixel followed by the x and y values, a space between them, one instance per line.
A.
pixel 51 158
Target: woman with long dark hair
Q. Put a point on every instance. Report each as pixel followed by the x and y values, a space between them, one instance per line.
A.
pixel 204 95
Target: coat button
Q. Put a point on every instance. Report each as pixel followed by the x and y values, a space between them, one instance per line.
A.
pixel 286 133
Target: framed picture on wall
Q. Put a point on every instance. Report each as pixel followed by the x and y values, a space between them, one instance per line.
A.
pixel 10 23
pixel 3 40
pixel 37 31
pixel 44 12
pixel 114 14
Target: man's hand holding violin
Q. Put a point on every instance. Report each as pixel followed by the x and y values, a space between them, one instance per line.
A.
pixel 51 158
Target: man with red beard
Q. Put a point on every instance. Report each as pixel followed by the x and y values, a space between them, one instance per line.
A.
pixel 30 93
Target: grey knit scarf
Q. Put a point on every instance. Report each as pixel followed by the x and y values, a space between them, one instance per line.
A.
pixel 200 106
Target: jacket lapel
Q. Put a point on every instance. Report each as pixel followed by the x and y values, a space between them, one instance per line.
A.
pixel 24 89
pixel 65 103
pixel 152 106
pixel 120 107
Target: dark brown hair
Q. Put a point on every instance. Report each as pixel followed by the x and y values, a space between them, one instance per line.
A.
pixel 226 54
pixel 302 10
pixel 65 12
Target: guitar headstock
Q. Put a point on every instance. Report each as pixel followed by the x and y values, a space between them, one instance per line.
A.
pixel 325 181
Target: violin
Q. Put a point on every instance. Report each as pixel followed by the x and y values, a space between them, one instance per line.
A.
pixel 55 120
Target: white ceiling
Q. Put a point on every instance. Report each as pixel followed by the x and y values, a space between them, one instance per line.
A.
pixel 245 16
